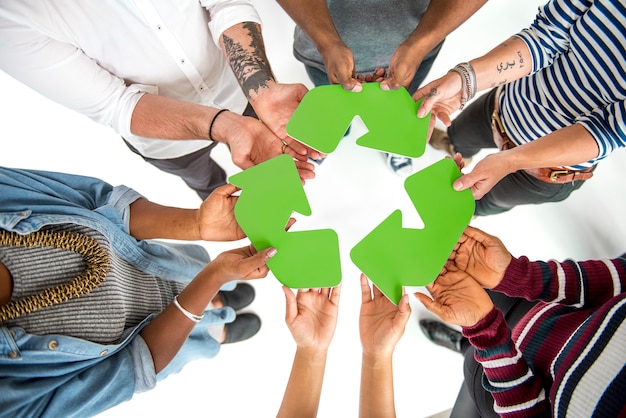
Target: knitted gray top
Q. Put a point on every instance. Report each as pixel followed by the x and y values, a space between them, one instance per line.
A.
pixel 125 298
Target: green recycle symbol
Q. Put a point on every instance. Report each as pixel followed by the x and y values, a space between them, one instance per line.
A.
pixel 310 259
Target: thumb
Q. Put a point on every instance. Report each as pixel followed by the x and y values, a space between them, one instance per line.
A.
pixel 461 183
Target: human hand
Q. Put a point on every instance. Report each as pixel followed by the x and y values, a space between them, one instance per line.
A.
pixel 339 63
pixel 442 97
pixel 457 299
pixel 381 323
pixel 274 104
pixel 251 143
pixel 240 264
pixel 311 316
pixel 216 216
pixel 482 256
pixel 486 174
pixel 402 67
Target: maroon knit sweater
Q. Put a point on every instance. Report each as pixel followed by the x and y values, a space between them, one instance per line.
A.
pixel 567 356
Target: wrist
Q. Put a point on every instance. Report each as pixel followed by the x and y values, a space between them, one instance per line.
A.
pixel 213 130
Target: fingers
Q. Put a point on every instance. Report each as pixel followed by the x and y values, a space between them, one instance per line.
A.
pixel 335 292
pixel 306 170
pixel 366 291
pixel 294 148
pixel 256 264
pixel 290 223
pixel 291 305
pixel 428 303
pixel 226 190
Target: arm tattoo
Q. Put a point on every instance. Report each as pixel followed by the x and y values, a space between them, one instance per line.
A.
pixel 250 66
pixel 521 59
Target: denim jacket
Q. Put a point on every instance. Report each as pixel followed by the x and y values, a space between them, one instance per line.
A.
pixel 56 375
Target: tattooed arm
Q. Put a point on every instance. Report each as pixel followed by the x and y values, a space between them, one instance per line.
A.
pixel 274 103
pixel 508 61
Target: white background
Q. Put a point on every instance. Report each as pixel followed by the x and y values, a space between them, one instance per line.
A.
pixel 354 190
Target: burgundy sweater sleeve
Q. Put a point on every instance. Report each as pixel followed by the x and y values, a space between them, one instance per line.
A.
pixel 584 283
pixel 517 392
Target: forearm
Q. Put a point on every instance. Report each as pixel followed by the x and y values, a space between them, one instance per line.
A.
pixel 565 147
pixel 314 19
pixel 164 118
pixel 440 19
pixel 169 330
pixel 149 220
pixel 245 52
pixel 511 382
pixel 304 387
pixel 508 61
pixel 591 282
pixel 377 396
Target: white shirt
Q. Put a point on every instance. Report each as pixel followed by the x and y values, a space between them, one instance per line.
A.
pixel 100 57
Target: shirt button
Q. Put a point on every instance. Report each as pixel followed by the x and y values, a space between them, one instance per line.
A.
pixel 104 353
pixel 12 354
pixel 53 345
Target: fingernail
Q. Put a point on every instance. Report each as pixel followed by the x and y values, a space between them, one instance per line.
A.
pixel 384 87
pixel 357 88
pixel 457 186
pixel 272 252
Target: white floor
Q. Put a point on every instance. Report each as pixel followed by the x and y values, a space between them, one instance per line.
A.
pixel 353 191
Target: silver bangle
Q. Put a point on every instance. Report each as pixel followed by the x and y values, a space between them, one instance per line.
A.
pixel 468 81
pixel 471 85
pixel 195 318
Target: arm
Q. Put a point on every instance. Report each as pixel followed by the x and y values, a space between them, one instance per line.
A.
pixel 486 259
pixel 381 326
pixel 584 283
pixel 314 19
pixel 459 299
pixel 565 147
pixel 213 221
pixel 311 317
pixel 441 18
pixel 169 330
pixel 274 103
pixel 508 61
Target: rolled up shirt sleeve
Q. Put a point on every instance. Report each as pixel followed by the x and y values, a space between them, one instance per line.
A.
pixel 227 13
pixel 65 74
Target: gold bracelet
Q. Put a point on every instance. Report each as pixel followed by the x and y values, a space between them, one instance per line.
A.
pixel 195 318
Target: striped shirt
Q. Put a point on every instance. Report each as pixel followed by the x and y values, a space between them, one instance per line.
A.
pixel 578 50
pixel 566 356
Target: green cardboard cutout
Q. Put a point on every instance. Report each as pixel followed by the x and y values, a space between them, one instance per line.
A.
pixel 392 256
pixel 270 193
pixel 326 112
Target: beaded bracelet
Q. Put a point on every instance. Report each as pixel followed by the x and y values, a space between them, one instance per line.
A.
pixel 213 121
pixel 195 318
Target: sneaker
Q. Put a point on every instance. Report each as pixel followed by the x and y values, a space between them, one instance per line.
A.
pixel 401 165
pixel 441 141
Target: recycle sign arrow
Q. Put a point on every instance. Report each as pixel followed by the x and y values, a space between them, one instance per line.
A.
pixel 392 256
pixel 270 193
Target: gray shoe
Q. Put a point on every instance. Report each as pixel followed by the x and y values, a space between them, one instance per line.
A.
pixel 243 327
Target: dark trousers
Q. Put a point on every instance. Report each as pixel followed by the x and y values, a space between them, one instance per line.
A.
pixel 471 132
pixel 198 170
pixel 473 400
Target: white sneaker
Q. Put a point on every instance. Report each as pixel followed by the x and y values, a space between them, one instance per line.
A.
pixel 401 165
